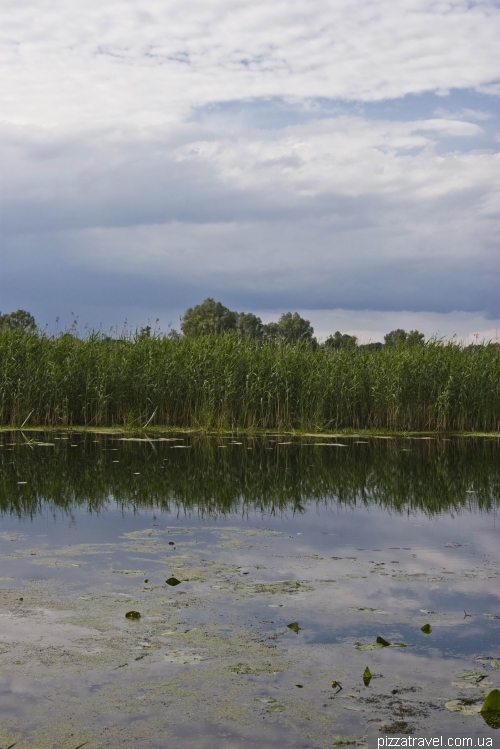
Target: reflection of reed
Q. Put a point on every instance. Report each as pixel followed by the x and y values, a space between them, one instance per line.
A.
pixel 434 476
pixel 225 382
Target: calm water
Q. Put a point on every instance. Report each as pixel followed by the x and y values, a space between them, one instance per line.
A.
pixel 347 539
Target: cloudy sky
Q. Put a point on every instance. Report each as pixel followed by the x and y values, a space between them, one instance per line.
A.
pixel 338 157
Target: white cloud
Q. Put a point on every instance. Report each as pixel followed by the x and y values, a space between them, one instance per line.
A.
pixel 349 156
pixel 116 62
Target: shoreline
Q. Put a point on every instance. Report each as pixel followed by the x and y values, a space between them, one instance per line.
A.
pixel 250 432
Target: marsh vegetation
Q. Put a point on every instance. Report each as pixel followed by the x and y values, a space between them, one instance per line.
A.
pixel 227 381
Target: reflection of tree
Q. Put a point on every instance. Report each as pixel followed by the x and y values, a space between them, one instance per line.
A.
pixel 433 477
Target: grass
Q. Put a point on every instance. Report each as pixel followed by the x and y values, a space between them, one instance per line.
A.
pixel 222 382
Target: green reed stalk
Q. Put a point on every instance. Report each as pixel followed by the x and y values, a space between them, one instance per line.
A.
pixel 222 382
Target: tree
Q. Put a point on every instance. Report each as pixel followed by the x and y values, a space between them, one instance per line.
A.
pixel 415 338
pixel 340 340
pixel 395 337
pixel 248 324
pixel 290 327
pixel 271 331
pixel 208 317
pixel 19 320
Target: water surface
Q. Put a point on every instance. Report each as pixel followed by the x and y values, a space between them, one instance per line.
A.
pixel 347 539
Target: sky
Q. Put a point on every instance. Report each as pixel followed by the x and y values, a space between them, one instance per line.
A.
pixel 336 158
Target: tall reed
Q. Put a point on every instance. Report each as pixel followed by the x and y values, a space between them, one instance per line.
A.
pixel 220 382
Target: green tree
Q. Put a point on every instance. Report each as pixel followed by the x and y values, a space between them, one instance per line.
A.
pixel 272 331
pixel 208 317
pixel 248 324
pixel 415 338
pixel 395 337
pixel 291 327
pixel 19 320
pixel 340 340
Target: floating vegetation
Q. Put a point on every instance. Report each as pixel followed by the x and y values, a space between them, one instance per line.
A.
pixel 182 658
pixel 172 581
pixel 467 707
pixel 340 740
pixel 368 608
pixel 426 629
pixel 379 643
pixel 492 701
pixel 294 626
pixel 471 675
pixel 490 709
pixel 132 573
pixel 488 660
pixel 242 668
pixel 132 615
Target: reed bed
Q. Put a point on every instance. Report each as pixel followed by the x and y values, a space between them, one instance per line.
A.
pixel 222 382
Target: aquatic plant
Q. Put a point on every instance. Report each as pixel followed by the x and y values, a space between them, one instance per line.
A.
pixel 222 381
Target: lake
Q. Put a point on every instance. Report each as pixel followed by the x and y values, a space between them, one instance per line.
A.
pixel 258 574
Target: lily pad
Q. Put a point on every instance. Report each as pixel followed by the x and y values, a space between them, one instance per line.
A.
pixel 381 641
pixel 132 615
pixel 466 707
pixel 491 718
pixel 172 581
pixel 275 709
pixel 481 684
pixel 471 675
pixel 487 660
pixel 492 701
pixel 294 626
pixel 427 629
pixel 368 646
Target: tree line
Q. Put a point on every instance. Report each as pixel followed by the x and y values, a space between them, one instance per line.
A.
pixel 213 318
